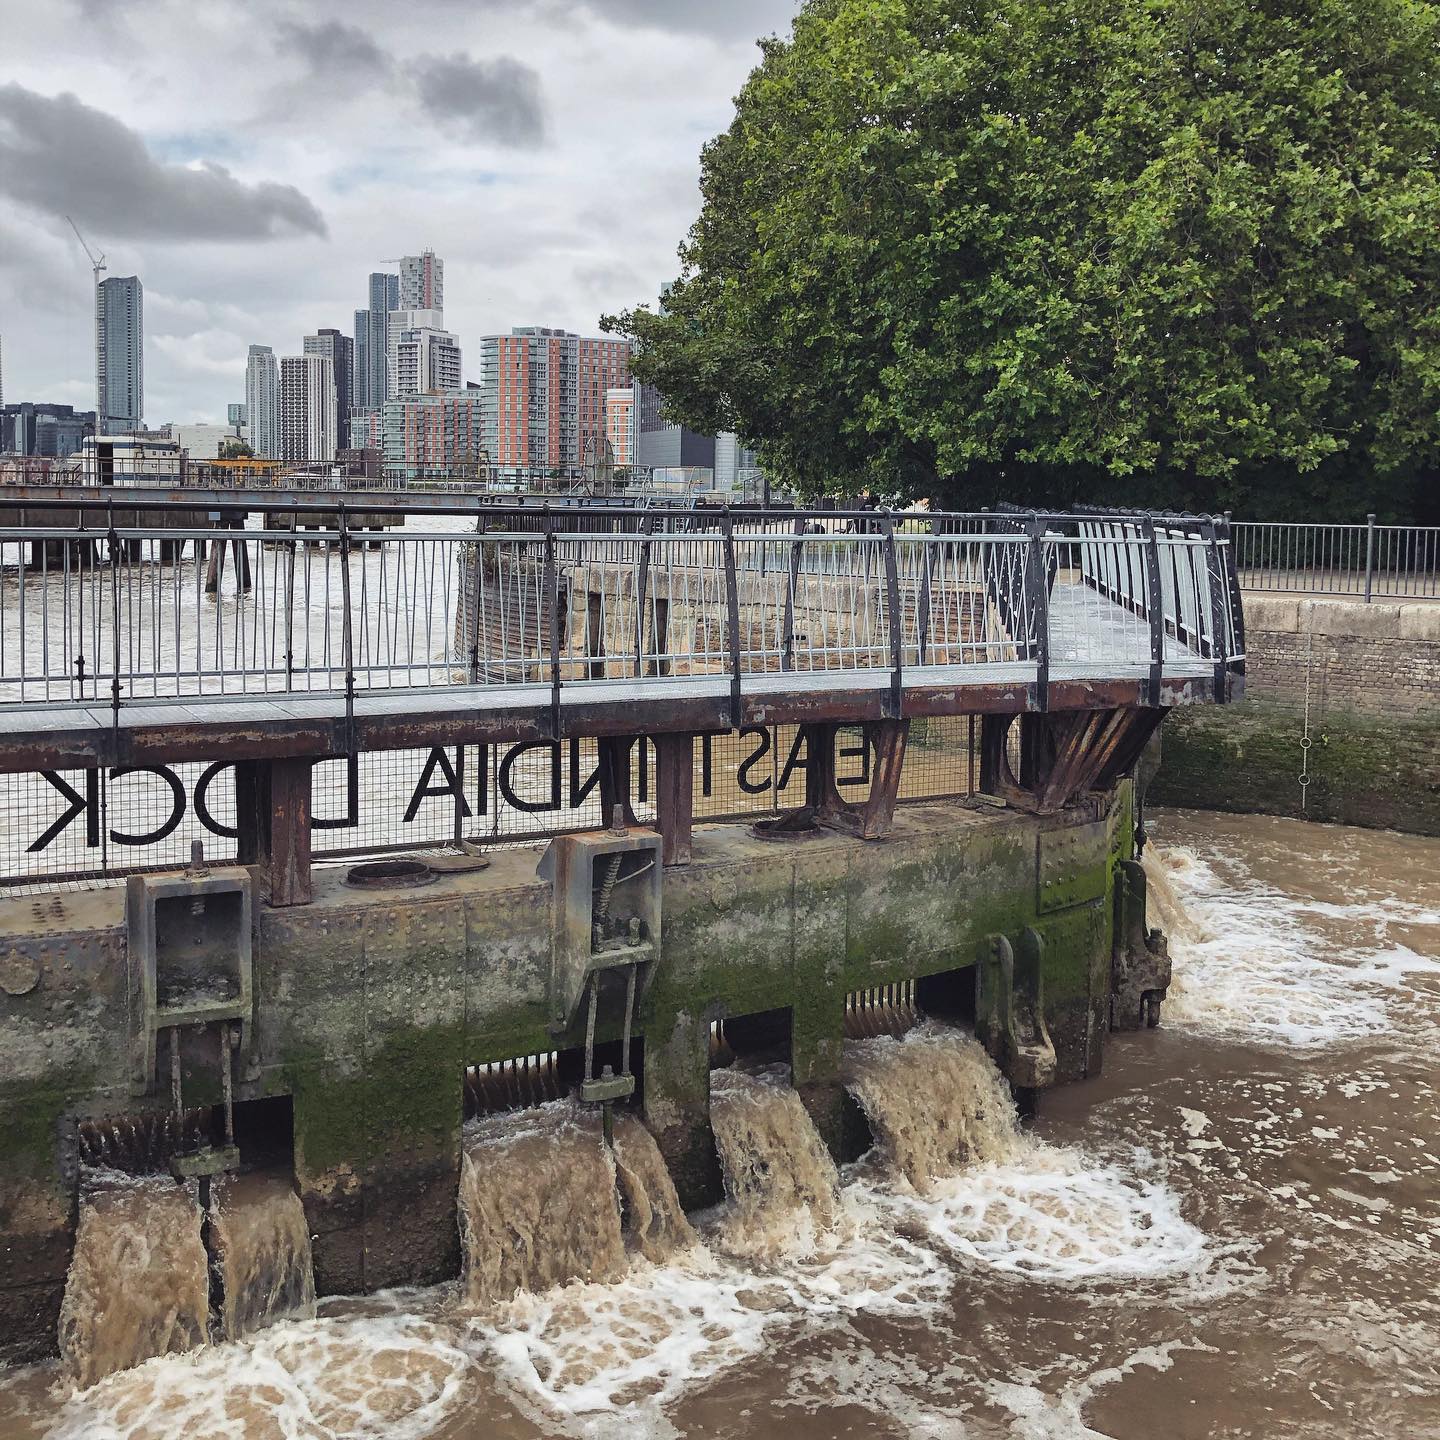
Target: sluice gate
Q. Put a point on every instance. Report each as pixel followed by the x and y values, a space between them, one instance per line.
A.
pixel 361 1034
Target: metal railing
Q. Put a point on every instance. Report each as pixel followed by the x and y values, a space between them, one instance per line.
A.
pixel 95 609
pixel 1371 561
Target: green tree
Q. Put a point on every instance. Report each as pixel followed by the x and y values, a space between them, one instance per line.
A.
pixel 235 450
pixel 1174 252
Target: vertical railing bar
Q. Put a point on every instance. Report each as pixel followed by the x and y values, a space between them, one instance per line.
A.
pixel 550 581
pixel 113 541
pixel 893 615
pixel 732 592
pixel 1155 606
pixel 347 631
pixel 1039 600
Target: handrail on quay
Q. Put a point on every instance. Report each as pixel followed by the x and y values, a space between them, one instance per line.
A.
pixel 1369 561
pixel 109 618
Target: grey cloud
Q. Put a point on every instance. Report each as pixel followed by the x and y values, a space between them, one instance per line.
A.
pixel 724 20
pixel 335 47
pixel 497 100
pixel 61 156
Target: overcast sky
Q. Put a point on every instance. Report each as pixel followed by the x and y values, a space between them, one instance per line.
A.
pixel 253 160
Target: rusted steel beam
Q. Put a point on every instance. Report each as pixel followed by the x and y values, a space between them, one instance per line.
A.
pixel 159 731
pixel 888 739
pixel 675 795
pixel 614 767
pixel 288 857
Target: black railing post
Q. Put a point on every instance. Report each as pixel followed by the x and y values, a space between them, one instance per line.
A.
pixel 642 582
pixel 347 631
pixel 1154 606
pixel 922 617
pixel 1037 590
pixel 290 611
pixel 550 581
pixel 113 541
pixel 1369 555
pixel 787 649
pixel 732 594
pixel 1210 531
pixel 893 616
pixel 1236 614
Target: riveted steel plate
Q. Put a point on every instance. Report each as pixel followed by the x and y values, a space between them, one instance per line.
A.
pixel 1071 866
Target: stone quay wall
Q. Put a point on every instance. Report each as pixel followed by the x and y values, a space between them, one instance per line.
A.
pixel 1368 679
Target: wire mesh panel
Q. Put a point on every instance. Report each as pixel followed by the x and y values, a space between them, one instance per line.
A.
pixel 87 824
pixel 78 824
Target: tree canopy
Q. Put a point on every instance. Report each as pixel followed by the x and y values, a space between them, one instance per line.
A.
pixel 1161 251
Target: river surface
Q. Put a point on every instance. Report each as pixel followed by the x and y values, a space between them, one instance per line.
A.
pixel 1234 1232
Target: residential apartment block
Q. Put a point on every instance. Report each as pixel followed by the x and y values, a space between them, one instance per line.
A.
pixel 307 409
pixel 434 436
pixel 262 402
pixel 545 394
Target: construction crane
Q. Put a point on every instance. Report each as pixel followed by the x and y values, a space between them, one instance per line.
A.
pixel 97 267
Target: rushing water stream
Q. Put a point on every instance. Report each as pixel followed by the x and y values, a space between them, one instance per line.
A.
pixel 1234 1231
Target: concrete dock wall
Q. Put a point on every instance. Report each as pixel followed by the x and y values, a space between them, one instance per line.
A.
pixel 1373 679
pixel 368 1006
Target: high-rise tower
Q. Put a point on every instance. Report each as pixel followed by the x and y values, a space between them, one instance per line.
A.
pixel 372 341
pixel 262 402
pixel 120 353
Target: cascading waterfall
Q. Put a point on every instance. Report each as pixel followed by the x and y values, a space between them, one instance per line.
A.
pixel 138 1284
pixel 139 1281
pixel 1165 909
pixel 934 1100
pixel 946 1127
pixel 776 1168
pixel 261 1246
pixel 654 1222
pixel 538 1205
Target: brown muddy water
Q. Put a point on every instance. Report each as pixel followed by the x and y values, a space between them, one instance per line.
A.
pixel 1234 1232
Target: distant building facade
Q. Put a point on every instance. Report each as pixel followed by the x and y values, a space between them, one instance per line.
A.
pixel 235 417
pixel 120 353
pixel 402 322
pixel 307 410
pixel 202 442
pixel 340 350
pixel 545 394
pixel 422 282
pixel 434 436
pixel 620 423
pixel 54 431
pixel 262 402
pixel 372 341
pixel 426 359
pixel 659 445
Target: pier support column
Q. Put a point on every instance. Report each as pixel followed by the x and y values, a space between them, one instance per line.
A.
pixel 272 807
pixel 614 766
pixel 888 739
pixel 821 904
pixel 675 795
pixel 677 1106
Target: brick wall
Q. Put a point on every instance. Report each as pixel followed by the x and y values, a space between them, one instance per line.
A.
pixel 1378 660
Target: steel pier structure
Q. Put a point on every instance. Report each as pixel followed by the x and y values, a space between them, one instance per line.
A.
pixel 257 1006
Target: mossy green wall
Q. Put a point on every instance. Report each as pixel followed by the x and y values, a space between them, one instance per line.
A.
pixel 1364 769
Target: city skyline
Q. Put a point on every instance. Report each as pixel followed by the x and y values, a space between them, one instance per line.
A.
pixel 549 153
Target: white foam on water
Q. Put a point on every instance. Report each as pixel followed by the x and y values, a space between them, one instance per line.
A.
pixel 1043 1415
pixel 1055 1215
pixel 1251 964
pixel 588 1348
pixel 389 1377
pixel 958 1168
